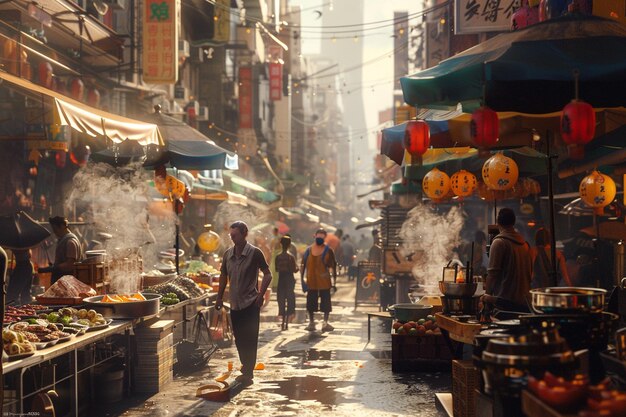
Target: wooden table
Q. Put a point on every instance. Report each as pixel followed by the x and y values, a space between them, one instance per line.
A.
pixel 454 330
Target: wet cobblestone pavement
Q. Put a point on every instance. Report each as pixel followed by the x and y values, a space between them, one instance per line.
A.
pixel 306 374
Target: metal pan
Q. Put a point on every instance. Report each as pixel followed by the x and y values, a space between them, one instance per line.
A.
pixel 127 310
pixel 567 300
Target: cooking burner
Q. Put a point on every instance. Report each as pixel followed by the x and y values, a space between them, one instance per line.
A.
pixel 460 305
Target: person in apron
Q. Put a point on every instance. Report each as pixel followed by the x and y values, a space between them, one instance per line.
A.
pixel 68 250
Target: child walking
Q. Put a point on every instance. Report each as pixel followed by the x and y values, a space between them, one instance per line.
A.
pixel 286 297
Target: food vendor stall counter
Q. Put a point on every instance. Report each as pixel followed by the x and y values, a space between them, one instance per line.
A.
pixel 40 358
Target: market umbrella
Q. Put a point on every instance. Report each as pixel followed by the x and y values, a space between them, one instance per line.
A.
pixel 530 70
pixel 19 231
pixel 392 142
pixel 186 147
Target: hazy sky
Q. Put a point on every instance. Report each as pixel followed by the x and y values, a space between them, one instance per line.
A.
pixel 377 42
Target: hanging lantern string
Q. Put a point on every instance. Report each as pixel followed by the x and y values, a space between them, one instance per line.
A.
pixel 576 74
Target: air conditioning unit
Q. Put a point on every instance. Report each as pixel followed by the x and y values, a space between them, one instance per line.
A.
pixel 197 55
pixel 203 114
pixel 183 48
pixel 117 4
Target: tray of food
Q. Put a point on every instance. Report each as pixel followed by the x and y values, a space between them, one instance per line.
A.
pixel 66 291
pixel 82 319
pixel 16 346
pixel 40 332
pixel 14 314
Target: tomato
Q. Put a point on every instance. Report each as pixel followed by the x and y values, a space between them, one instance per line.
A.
pixel 612 401
pixel 558 396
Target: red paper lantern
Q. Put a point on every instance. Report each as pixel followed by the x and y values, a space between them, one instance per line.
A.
pixel 416 138
pixel 578 123
pixel 77 89
pixel 485 127
pixel 524 16
pixel 93 97
pixel 45 74
pixel 59 159
pixel 80 155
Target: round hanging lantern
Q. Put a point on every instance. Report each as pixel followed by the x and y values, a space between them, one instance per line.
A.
pixel 59 159
pixel 416 138
pixel 578 126
pixel 524 16
pixel 597 190
pixel 500 173
pixel 485 127
pixel 171 186
pixel 463 183
pixel 80 155
pixel 209 241
pixel 436 184
pixel 93 97
pixel 77 89
pixel 45 74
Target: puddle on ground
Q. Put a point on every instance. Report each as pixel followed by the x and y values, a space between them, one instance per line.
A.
pixel 310 388
pixel 307 355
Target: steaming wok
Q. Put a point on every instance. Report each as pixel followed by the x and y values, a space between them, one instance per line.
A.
pixel 126 310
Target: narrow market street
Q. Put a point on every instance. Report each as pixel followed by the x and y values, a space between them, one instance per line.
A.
pixel 307 373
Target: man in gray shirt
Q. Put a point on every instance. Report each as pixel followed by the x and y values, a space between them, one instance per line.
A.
pixel 240 268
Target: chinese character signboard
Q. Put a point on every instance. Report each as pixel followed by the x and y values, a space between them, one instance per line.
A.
pixel 276 81
pixel 160 41
pixel 477 16
pixel 222 21
pixel 437 44
pixel 245 98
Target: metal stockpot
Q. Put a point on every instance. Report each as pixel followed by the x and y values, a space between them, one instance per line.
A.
pixel 567 300
pixel 125 310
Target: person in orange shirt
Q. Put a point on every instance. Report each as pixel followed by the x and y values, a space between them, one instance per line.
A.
pixel 317 263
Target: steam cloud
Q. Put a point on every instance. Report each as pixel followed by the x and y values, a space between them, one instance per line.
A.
pixel 116 201
pixel 430 237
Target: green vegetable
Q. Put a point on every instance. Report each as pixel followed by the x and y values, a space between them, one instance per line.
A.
pixel 53 317
pixel 32 321
pixel 65 320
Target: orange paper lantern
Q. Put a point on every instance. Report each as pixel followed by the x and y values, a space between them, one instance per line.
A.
pixel 463 183
pixel 436 184
pixel 500 173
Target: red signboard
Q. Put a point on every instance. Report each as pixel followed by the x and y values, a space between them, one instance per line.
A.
pixel 245 98
pixel 160 41
pixel 276 81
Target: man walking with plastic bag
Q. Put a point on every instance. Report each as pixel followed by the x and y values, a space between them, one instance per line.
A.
pixel 240 269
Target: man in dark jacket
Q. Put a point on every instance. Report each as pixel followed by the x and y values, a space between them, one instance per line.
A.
pixel 510 267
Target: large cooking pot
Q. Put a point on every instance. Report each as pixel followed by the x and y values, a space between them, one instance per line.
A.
pixel 410 312
pixel 567 300
pixel 457 289
pixel 127 310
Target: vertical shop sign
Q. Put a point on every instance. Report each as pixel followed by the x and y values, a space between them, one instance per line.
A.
pixel 222 21
pixel 477 16
pixel 160 41
pixel 245 98
pixel 437 44
pixel 276 81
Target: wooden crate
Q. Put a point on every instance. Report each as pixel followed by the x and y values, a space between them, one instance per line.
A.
pixel 419 353
pixel 93 274
pixel 465 380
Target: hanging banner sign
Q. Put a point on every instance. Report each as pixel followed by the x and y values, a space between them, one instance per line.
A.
pixel 437 44
pixel 160 41
pixel 478 16
pixel 276 81
pixel 222 21
pixel 245 98
pixel 59 138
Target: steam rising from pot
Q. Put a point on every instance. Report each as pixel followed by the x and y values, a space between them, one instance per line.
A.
pixel 430 236
pixel 117 201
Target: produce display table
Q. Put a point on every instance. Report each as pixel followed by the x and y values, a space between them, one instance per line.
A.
pixel 70 347
pixel 458 331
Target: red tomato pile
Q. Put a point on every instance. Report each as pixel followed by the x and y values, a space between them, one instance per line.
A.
pixel 571 395
pixel 421 327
